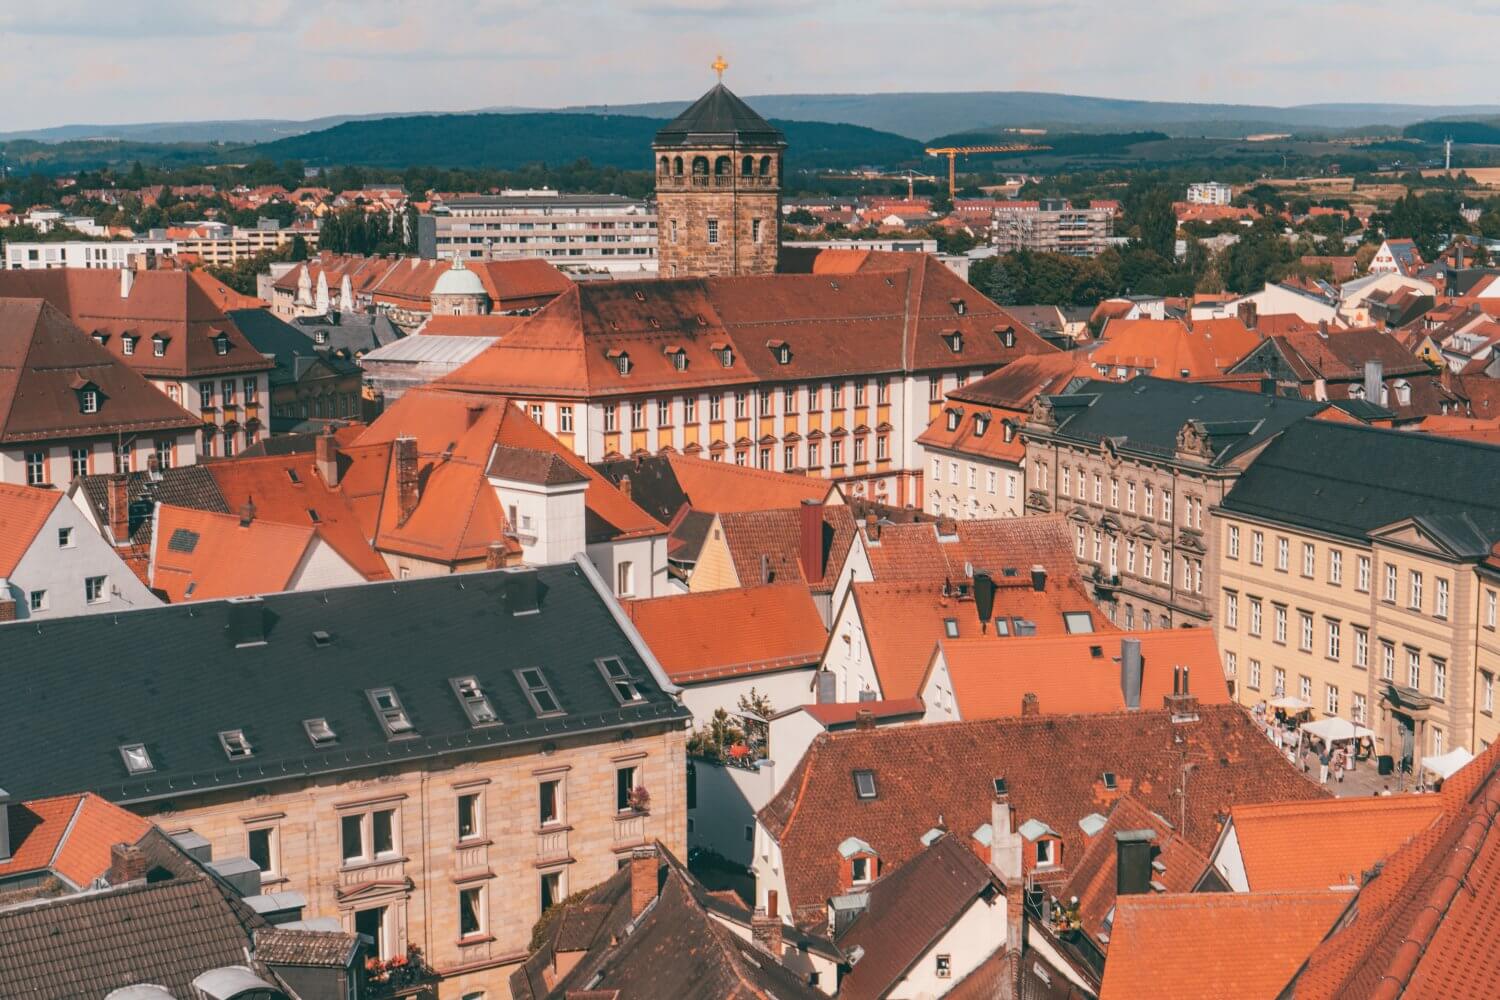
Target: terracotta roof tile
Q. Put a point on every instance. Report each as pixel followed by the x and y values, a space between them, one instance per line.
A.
pixel 68 835
pixel 722 487
pixel 199 555
pixel 1167 348
pixel 1315 845
pixel 917 551
pixel 23 511
pixel 775 535
pixel 837 714
pixel 731 633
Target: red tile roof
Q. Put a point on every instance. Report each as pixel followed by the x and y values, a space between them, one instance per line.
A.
pixel 1077 673
pixel 839 714
pixel 1167 348
pixel 1052 765
pixel 1213 945
pixel 1002 395
pixel 23 511
pixel 774 537
pixel 723 487
pixel 731 633
pixel 46 362
pixel 216 555
pixel 917 551
pixel 68 835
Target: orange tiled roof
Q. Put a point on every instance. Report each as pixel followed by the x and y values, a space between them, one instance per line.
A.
pixel 1002 395
pixel 1213 945
pixel 833 714
pixel 23 511
pixel 201 555
pixel 731 633
pixel 917 551
pixel 1073 674
pixel 775 536
pixel 1315 845
pixel 68 835
pixel 723 487
pixel 1168 349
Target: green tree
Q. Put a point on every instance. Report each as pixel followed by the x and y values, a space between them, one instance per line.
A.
pixel 1157 222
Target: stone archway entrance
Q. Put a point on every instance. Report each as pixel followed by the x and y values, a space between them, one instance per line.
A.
pixel 1405 728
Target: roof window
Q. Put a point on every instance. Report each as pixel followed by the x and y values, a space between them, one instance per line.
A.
pixel 235 745
pixel 959 306
pixel 390 712
pixel 1024 627
pixel 534 685
pixel 1002 626
pixel 1078 622
pixel 475 702
pixel 953 415
pixel 1111 783
pixel 292 475
pixel 950 627
pixel 221 344
pixel 313 516
pixel 1001 788
pixel 981 424
pixel 864 784
pixel 319 732
pixel 1007 335
pixel 780 351
pixel 159 345
pixel 137 758
pixel 619 679
pixel 621 360
pixel 955 340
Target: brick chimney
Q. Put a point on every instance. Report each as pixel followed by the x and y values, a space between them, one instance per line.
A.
pixel 1249 315
pixel 247 512
pixel 8 610
pixel 494 556
pixel 643 868
pixel 872 527
pixel 1039 578
pixel 407 492
pixel 327 451
pixel 1005 842
pixel 810 545
pixel 127 863
pixel 864 718
pixel 625 486
pixel 1030 704
pixel 119 508
pixel 765 927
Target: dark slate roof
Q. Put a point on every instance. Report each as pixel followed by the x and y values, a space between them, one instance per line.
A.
pixel 719 118
pixel 184 486
pixel 1349 480
pixel 1145 414
pixel 908 911
pixel 352 332
pixel 173 678
pixel 294 351
pixel 532 465
pixel 653 484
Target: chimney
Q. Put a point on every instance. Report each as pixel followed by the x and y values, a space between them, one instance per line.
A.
pixel 247 512
pixel 947 527
pixel 1182 704
pixel 1133 862
pixel 127 282
pixel 872 528
pixel 247 621
pixel 625 487
pixel 1249 315
pixel 4 825
pixel 8 607
pixel 406 479
pixel 1030 704
pixel 1005 843
pixel 494 556
pixel 642 879
pixel 810 547
pixel 127 863
pixel 119 508
pixel 864 718
pixel 520 593
pixel 1039 578
pixel 327 454
pixel 1374 381
pixel 765 927
pixel 1130 672
pixel 984 597
pixel 828 691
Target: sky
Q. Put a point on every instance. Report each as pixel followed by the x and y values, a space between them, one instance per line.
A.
pixel 115 61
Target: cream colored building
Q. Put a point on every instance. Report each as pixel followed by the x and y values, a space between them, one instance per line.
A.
pixel 1351 574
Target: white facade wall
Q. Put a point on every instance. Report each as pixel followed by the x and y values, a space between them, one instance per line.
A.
pixel 973 938
pixel 727 799
pixel 938 696
pixel 322 567
pixel 59 572
pixel 1228 861
pixel 785 689
pixel 58 457
pixel 848 656
pixel 647 573
pixel 548 520
pixel 82 253
pixel 969 487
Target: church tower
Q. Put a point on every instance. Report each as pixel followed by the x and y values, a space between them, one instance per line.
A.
pixel 718 188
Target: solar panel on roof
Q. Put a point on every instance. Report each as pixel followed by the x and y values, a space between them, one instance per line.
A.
pixel 183 540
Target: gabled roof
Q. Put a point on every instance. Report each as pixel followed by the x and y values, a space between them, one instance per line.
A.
pixel 1213 945
pixel 719 118
pixel 909 910
pixel 722 487
pixel 45 365
pixel 23 511
pixel 842 714
pixel 1018 383
pixel 921 551
pixel 731 633
pixel 1077 673
pixel 1168 348
pixel 1325 843
pixel 198 555
pixel 1052 765
pixel 772 538
pixel 68 836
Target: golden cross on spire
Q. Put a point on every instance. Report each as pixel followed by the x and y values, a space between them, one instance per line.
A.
pixel 719 66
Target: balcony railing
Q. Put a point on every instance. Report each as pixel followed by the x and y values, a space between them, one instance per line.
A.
pixel 630 829
pixel 406 976
pixel 684 182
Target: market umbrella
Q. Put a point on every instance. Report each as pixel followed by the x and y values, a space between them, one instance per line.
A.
pixel 1335 729
pixel 1444 765
pixel 1291 703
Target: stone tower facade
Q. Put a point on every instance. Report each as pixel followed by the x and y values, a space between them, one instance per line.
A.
pixel 718 189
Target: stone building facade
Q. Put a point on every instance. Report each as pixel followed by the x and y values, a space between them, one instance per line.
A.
pixel 718 189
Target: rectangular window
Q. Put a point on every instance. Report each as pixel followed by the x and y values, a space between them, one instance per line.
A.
pixel 37 600
pixel 882 391
pixel 565 418
pixel 1098 488
pixel 1147 552
pixel 690 409
pixel 551 890
pixel 1357 708
pixel 1487 692
pixel 1281 624
pixel 1414 669
pixel 383 831
pixel 468 816
pixel 1166 506
pixel 1304 688
pixel 1361 648
pixel 1335 567
pixel 1414 594
pixel 1257 547
pixel 352 833
pixel 252 392
pixel 1114 493
pixel 205 395
pixel 664 413
pixel 625 779
pixel 1309 560
pixel 1362 575
pixel 1283 554
pixel 814 456
pixel 836 395
pixel 1491 603
pixel 1150 500
pixel 1389 594
pixel 538 691
pixel 1231 609
pixel 1130 498
pixel 883 448
pixel 1387 660
pixel 1234 541
pixel 755 230
pixel 713 231
pixel 716 407
pixel 1278 682
pixel 741 406
pixel 36 468
pixel 1440 598
pixel 1254 679
pixel 637 416
pixel 1305 632
pixel 260 846
pixel 1063 485
pixel 535 412
pixel 1331 699
pixel 611 417
pixel 1439 677
pixel 836 452
pixel 859 449
pixel 991 481
pixel 549 802
pixel 79 462
pixel 226 389
pixel 470 912
pixel 95 590
pixel 859 394
pixel 1231 659
pixel 1335 640
pixel 1255 616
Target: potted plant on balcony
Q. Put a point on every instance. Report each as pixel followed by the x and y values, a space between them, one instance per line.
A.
pixel 638 799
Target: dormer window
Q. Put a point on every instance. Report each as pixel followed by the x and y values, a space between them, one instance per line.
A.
pixel 621 360
pixel 1048 852
pixel 159 346
pixel 724 353
pixel 89 400
pixel 981 424
pixel 780 351
pixel 235 745
pixel 1010 430
pixel 320 336
pixel 677 356
pixel 953 416
pixel 1007 336
pixel 390 712
pixel 860 870
pixel 127 344
pixel 475 702
pixel 955 340
pixel 620 680
pixel 221 344
pixel 959 306
pixel 137 758
pixel 319 732
pixel 101 339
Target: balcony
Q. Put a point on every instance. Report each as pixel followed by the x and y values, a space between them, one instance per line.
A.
pixel 722 182
pixel 630 829
pixel 406 976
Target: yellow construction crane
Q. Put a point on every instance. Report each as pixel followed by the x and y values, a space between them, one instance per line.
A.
pixel 953 152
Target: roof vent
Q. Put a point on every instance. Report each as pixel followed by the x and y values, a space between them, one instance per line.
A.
pixel 137 758
pixel 247 621
pixel 320 732
pixel 321 639
pixel 475 702
pixel 390 712
pixel 235 745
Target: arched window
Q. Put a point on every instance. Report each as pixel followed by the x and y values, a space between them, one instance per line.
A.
pixel 677 165
pixel 723 167
pixel 700 166
pixel 765 166
pixel 662 165
pixel 747 166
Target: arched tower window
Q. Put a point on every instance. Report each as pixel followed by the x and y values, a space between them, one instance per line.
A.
pixel 765 166
pixel 662 166
pixel 747 166
pixel 722 167
pixel 700 166
pixel 677 165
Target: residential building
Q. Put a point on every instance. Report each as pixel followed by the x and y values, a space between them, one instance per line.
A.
pixel 115 254
pixel 653 930
pixel 1277 300
pixel 1347 573
pixel 220 245
pixel 53 563
pixel 974 452
pixel 1053 225
pixel 1136 467
pixel 1168 348
pixel 574 232
pixel 1209 193
pixel 718 189
pixel 173 328
pixel 68 408
pixel 1396 257
pixel 809 544
pixel 431 795
pixel 313 382
pixel 60 845
pixel 1387 298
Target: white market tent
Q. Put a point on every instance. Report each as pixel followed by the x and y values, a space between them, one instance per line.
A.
pixel 1334 730
pixel 1444 765
pixel 1290 703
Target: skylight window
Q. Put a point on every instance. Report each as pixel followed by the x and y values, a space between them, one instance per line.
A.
pixel 235 745
pixel 620 680
pixel 320 732
pixel 864 784
pixel 534 685
pixel 292 475
pixel 1077 622
pixel 389 710
pixel 1001 787
pixel 221 345
pixel 137 758
pixel 1111 783
pixel 950 627
pixel 475 702
pixel 1002 626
